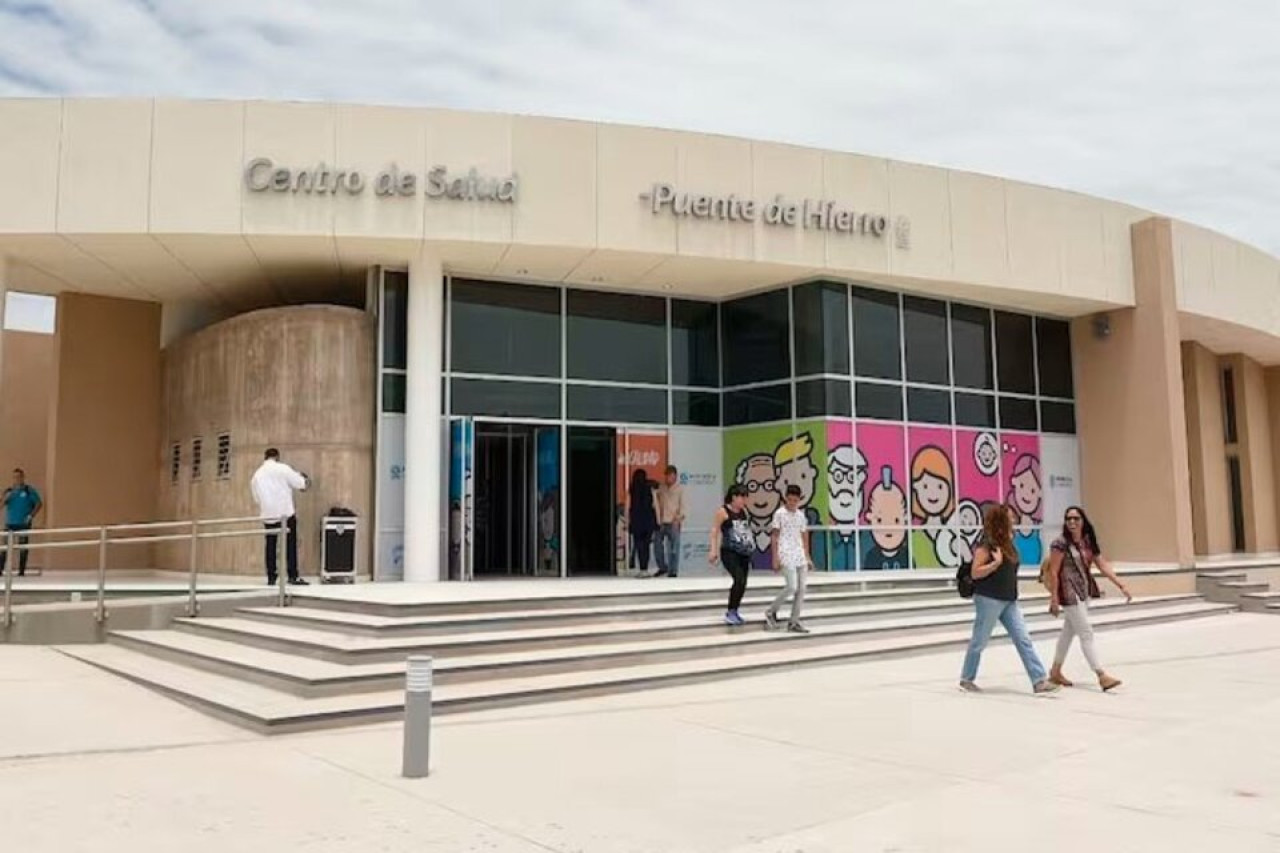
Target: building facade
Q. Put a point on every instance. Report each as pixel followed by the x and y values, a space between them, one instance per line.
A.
pixel 474 329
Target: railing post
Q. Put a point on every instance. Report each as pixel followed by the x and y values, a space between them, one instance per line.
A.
pixel 282 568
pixel 8 579
pixel 101 615
pixel 193 605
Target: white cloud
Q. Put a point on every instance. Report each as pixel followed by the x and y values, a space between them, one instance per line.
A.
pixel 1170 106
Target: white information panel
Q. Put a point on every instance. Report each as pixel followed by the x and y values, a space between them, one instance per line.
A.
pixel 697 453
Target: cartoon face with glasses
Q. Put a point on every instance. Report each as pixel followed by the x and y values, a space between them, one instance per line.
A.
pixel 758 474
pixel 846 476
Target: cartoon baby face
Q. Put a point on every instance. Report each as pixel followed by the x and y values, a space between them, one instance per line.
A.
pixel 887 514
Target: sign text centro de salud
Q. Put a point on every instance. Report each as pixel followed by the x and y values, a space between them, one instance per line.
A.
pixel 262 175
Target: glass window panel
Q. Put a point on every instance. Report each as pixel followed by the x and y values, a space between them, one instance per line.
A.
pixel 971 346
pixel 873 400
pixel 695 408
pixel 695 343
pixel 617 337
pixel 614 404
pixel 1057 417
pixel 821 315
pixel 1229 405
pixel 506 399
pixel 928 406
pixel 817 397
pixel 975 410
pixel 393 392
pixel 506 329
pixel 1018 413
pixel 757 346
pixel 757 405
pixel 877 344
pixel 1053 353
pixel 1015 359
pixel 395 319
pixel 924 322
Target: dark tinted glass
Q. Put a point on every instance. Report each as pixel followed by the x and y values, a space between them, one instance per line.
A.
pixel 971 346
pixel 505 399
pixel 617 337
pixel 507 329
pixel 393 385
pixel 611 403
pixel 925 323
pixel 1057 417
pixel 757 405
pixel 1017 413
pixel 756 342
pixel 821 316
pixel 1053 349
pixel 395 319
pixel 823 397
pixel 928 406
pixel 1015 360
pixel 883 402
pixel 975 410
pixel 695 408
pixel 695 343
pixel 877 345
pixel 1229 405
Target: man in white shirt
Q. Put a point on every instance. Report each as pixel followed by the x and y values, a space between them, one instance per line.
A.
pixel 273 485
pixel 792 557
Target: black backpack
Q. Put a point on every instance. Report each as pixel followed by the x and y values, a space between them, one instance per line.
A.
pixel 964 579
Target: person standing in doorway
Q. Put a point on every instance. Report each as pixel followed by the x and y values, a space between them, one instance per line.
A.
pixel 995 599
pixel 792 557
pixel 642 517
pixel 732 545
pixel 1071 585
pixel 273 485
pixel 670 521
pixel 22 503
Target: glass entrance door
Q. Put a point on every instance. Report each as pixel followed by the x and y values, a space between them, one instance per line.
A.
pixel 506 500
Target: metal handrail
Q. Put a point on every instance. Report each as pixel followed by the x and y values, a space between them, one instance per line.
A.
pixel 102 539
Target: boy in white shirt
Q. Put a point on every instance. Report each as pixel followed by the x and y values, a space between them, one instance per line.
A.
pixel 791 556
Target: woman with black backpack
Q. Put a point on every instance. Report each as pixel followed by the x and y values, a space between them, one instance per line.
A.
pixel 1071 586
pixel 995 599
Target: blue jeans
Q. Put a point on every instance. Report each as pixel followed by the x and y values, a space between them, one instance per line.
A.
pixel 989 611
pixel 669 549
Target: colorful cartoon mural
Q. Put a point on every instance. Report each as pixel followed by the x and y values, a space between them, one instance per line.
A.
pixel 934 543
pixel 978 482
pixel 883 446
pixel 846 480
pixel 547 442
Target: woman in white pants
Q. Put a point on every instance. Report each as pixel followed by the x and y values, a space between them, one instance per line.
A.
pixel 1071 586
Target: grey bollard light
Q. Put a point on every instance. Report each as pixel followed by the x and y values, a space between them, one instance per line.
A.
pixel 417 717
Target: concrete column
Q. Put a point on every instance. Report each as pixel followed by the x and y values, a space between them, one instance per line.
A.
pixel 1206 450
pixel 1131 416
pixel 424 429
pixel 4 300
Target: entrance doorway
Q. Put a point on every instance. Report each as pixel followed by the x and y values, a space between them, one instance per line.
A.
pixel 516 469
pixel 592 515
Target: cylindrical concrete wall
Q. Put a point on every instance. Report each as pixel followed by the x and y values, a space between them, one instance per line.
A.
pixel 299 379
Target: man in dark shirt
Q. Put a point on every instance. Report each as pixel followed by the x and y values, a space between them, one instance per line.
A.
pixel 22 504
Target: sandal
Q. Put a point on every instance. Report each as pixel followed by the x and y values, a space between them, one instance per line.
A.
pixel 1061 680
pixel 1108 683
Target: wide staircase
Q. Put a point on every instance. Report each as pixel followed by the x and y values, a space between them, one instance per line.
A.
pixel 1235 586
pixel 329 661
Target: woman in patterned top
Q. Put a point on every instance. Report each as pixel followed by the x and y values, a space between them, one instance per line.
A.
pixel 1071 585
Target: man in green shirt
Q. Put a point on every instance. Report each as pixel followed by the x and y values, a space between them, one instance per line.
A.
pixel 22 504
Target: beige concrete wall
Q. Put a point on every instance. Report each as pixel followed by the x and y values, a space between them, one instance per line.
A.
pixel 1272 377
pixel 1129 409
pixel 1257 469
pixel 105 415
pixel 1206 450
pixel 28 381
pixel 299 379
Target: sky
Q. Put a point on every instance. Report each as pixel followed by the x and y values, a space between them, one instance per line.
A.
pixel 1166 104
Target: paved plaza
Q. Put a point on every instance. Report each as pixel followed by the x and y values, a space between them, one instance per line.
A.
pixel 884 756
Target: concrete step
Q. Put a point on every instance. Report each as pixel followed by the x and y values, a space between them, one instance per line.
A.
pixel 338 646
pixel 269 710
pixel 501 597
pixel 709 604
pixel 1266 601
pixel 299 672
pixel 1233 591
